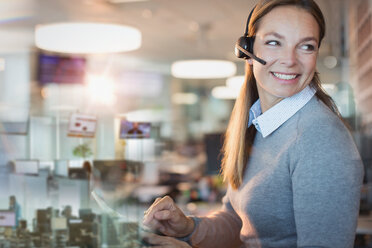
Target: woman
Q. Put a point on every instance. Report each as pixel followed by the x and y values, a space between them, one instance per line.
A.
pixel 294 174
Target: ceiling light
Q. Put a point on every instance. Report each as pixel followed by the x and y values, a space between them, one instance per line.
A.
pixel 2 64
pixel 235 82
pixel 194 26
pixel 329 88
pixel 330 62
pixel 223 92
pixel 148 115
pixel 231 90
pixel 101 89
pixel 126 1
pixel 203 69
pixel 87 38
pixel 184 98
pixel 60 108
pixel 146 13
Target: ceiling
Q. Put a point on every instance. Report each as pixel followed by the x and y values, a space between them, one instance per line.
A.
pixel 171 29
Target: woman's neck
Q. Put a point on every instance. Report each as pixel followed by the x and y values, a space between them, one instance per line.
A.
pixel 268 101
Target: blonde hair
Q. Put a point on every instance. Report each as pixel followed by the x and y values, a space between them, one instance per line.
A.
pixel 238 137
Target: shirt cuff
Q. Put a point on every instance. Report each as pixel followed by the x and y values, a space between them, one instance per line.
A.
pixel 187 238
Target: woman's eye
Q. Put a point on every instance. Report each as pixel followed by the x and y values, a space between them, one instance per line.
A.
pixel 308 47
pixel 272 43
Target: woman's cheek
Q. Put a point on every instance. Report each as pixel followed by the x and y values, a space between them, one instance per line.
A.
pixel 268 56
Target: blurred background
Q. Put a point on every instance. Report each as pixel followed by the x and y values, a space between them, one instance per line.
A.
pixel 101 96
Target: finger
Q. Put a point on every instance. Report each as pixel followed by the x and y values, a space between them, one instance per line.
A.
pixel 150 209
pixel 154 225
pixel 154 203
pixel 163 215
pixel 168 246
pixel 154 239
pixel 164 241
pixel 165 203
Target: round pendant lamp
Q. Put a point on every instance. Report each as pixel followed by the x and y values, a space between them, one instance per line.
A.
pixel 203 69
pixel 87 38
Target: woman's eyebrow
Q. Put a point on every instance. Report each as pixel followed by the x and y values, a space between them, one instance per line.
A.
pixel 279 36
pixel 309 39
pixel 274 34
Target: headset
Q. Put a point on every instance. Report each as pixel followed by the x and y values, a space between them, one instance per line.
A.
pixel 244 45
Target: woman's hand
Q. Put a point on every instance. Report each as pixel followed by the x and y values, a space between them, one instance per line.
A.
pixel 164 216
pixel 157 241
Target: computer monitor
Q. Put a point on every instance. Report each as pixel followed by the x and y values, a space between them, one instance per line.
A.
pixel 75 163
pixel 78 173
pixel 46 167
pixel 7 218
pixel 112 172
pixel 30 167
pixel 213 145
pixel 84 212
pixel 15 128
pixel 59 223
pixel 46 164
pixel 61 168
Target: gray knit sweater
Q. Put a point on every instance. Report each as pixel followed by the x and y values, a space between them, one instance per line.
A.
pixel 301 189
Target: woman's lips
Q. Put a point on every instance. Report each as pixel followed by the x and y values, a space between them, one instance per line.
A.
pixel 286 78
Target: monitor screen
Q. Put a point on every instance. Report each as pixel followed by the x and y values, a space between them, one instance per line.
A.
pixel 30 167
pixel 61 69
pixel 59 223
pixel 84 211
pixel 82 125
pixel 75 221
pixel 61 168
pixel 7 218
pixel 14 127
pixel 75 164
pixel 134 130
pixel 112 173
pixel 213 145
pixel 46 164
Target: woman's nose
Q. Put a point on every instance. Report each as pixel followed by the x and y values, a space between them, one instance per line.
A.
pixel 288 57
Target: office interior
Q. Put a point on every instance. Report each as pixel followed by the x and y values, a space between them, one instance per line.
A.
pixel 71 155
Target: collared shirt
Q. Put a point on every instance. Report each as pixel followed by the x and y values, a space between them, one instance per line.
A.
pixel 273 118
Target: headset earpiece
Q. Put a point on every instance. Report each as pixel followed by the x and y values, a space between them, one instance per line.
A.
pixel 247 44
pixel 244 45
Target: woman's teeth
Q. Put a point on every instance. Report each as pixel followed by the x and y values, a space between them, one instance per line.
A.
pixel 285 76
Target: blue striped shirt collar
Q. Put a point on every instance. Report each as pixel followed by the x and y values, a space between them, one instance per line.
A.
pixel 274 117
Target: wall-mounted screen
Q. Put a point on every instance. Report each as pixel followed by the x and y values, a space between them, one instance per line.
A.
pixel 134 130
pixel 81 125
pixel 61 69
pixel 7 218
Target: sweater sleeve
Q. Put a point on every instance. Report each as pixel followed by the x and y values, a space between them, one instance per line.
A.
pixel 220 229
pixel 327 175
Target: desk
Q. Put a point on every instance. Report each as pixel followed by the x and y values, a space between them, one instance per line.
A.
pixel 4 243
pixel 364 225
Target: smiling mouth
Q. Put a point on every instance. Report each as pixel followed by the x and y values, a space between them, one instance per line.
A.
pixel 285 76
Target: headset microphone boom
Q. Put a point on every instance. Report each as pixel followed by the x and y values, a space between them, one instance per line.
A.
pixel 244 45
